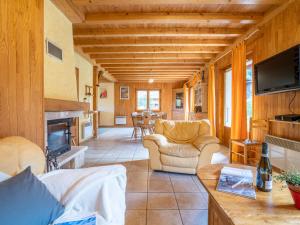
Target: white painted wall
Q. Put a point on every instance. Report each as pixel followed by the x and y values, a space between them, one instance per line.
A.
pixel 59 76
pixel 107 105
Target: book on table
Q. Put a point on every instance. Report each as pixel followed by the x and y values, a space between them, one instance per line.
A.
pixel 237 181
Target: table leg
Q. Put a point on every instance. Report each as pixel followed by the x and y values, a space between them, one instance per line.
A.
pixel 230 151
pixel 245 154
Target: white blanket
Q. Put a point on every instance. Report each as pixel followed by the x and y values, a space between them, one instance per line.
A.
pixel 89 190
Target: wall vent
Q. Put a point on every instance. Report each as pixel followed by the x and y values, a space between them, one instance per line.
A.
pixel 54 51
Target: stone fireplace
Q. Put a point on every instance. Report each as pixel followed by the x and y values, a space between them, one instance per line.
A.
pixel 58 135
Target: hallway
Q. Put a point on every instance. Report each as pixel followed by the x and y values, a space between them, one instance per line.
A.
pixel 152 198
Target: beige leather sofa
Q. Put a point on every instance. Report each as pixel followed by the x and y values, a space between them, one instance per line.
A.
pixel 182 146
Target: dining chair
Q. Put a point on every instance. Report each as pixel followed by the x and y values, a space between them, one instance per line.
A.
pixel 147 124
pixel 164 115
pixel 137 121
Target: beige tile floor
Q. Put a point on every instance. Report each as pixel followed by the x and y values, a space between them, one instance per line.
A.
pixel 152 198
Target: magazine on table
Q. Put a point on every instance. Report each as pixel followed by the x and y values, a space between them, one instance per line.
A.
pixel 237 181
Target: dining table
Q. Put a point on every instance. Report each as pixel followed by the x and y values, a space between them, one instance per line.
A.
pixel 145 122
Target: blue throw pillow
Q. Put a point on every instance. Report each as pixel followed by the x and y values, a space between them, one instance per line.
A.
pixel 24 200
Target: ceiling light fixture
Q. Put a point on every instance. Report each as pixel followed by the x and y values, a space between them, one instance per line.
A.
pixel 150 81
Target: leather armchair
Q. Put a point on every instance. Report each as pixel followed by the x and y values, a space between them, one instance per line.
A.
pixel 183 147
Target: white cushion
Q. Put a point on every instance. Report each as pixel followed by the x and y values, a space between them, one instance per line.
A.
pixel 4 176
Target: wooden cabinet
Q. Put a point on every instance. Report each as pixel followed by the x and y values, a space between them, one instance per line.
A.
pixel 200 98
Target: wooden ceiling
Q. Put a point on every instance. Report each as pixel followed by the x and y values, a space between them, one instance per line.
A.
pixel 165 40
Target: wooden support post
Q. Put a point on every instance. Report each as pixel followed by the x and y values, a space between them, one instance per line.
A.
pixel 95 101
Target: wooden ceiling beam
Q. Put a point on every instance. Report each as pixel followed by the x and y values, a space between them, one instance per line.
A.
pixel 150 66
pixel 146 81
pixel 154 75
pixel 70 10
pixel 152 49
pixel 178 18
pixel 149 61
pixel 153 56
pixel 151 72
pixel 150 77
pixel 151 42
pixel 164 2
pixel 112 70
pixel 159 31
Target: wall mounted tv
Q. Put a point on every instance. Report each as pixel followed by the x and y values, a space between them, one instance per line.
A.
pixel 279 73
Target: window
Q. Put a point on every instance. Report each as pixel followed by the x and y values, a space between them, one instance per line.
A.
pixel 228 93
pixel 148 99
pixel 154 100
pixel 249 88
pixel 141 100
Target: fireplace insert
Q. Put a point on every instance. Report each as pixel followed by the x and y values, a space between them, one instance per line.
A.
pixel 59 136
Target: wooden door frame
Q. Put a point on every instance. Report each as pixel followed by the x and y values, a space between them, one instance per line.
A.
pixel 95 101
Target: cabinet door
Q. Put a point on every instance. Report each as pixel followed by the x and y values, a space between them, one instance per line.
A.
pixel 178 99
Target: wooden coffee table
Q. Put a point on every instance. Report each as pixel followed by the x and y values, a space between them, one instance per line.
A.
pixel 273 208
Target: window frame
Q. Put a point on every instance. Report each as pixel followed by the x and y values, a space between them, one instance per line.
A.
pixel 250 61
pixel 148 99
pixel 230 116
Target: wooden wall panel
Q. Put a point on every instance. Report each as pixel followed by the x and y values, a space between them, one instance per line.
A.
pixel 279 34
pixel 126 107
pixel 22 69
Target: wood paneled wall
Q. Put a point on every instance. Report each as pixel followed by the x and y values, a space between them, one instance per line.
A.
pixel 279 34
pixel 126 107
pixel 22 69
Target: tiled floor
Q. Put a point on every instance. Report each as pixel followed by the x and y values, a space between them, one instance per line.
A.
pixel 153 198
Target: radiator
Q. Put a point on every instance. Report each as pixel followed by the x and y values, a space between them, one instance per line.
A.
pixel 284 153
pixel 120 120
pixel 87 130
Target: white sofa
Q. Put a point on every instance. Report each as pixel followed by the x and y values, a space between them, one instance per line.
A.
pixel 183 146
pixel 99 190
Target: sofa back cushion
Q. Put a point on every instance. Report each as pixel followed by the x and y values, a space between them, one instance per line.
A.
pixel 182 131
pixel 17 153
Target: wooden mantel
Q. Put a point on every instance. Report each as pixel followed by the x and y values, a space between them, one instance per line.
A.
pixel 57 105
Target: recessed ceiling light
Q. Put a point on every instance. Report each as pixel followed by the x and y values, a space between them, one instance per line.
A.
pixel 150 80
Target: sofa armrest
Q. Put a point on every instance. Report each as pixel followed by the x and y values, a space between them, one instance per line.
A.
pixel 202 141
pixel 159 139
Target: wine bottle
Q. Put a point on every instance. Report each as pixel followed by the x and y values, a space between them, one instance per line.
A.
pixel 264 171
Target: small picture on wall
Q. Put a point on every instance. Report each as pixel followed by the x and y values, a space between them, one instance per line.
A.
pixel 124 92
pixel 103 93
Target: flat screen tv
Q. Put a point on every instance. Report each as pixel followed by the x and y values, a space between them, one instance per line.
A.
pixel 279 73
